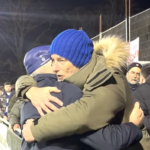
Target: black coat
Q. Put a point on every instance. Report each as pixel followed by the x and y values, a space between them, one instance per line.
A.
pixel 142 95
pixel 108 138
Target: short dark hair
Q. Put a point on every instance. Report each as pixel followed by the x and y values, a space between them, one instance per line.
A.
pixel 145 71
pixel 7 83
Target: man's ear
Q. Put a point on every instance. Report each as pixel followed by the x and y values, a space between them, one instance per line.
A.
pixel 142 80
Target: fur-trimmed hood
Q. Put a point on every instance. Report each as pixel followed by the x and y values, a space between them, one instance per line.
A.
pixel 114 50
pixel 109 56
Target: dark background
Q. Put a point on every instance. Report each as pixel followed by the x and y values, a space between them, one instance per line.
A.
pixel 28 23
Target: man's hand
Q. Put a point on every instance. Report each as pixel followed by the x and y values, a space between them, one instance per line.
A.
pixel 26 132
pixel 137 115
pixel 40 98
pixel 16 126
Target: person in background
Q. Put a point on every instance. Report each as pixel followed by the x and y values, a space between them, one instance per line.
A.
pixel 133 75
pixel 142 95
pixel 5 99
pixel 14 116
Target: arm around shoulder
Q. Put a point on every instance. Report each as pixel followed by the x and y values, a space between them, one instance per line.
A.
pixel 91 112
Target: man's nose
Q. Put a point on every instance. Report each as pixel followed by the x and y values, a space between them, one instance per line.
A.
pixel 134 75
pixel 55 67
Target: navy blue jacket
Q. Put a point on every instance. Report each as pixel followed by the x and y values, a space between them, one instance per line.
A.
pixel 112 137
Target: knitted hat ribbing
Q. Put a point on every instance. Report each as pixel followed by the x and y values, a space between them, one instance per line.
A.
pixel 74 45
pixel 36 57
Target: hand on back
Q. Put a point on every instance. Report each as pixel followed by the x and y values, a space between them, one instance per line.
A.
pixel 41 97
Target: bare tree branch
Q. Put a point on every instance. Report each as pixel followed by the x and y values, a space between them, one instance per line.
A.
pixel 18 19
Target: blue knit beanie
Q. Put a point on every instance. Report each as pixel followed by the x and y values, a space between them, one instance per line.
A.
pixel 74 45
pixel 36 57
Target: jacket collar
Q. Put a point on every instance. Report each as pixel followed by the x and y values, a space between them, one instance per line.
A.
pixel 80 77
pixel 42 76
pixel 93 74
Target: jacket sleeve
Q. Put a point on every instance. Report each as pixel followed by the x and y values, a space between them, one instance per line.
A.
pixel 23 84
pixel 14 115
pixel 91 112
pixel 139 97
pixel 113 137
pixel 12 101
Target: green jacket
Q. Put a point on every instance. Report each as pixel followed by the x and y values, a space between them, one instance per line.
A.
pixel 107 97
pixel 14 115
pixel 12 101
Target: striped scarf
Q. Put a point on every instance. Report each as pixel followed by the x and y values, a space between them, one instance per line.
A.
pixel 7 102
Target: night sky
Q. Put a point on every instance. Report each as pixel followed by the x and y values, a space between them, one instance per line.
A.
pixel 62 15
pixel 56 7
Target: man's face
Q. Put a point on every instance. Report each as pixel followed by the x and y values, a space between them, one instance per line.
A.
pixel 62 67
pixel 7 88
pixel 133 75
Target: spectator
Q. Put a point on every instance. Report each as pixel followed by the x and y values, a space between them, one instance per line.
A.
pixel 133 75
pixel 142 95
pixel 5 99
pixel 107 98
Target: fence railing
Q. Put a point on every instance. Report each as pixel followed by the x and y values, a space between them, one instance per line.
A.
pixel 139 26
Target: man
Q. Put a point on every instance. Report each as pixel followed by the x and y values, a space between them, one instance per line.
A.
pixel 107 98
pixel 142 95
pixel 133 75
pixel 69 94
pixel 41 71
pixel 5 99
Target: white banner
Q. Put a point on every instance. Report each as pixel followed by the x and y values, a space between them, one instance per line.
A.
pixel 134 51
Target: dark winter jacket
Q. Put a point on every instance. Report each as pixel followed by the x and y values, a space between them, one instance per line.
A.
pixel 110 137
pixel 142 95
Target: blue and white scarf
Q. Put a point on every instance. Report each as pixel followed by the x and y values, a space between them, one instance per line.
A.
pixel 7 102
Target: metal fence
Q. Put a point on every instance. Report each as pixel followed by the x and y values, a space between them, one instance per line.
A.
pixel 139 26
pixel 8 139
pixel 119 30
